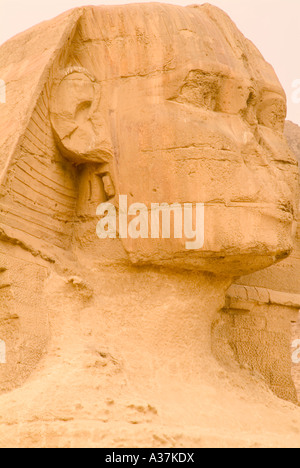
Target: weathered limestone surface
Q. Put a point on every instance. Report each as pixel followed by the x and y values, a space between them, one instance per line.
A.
pixel 292 132
pixel 283 276
pixel 283 279
pixel 114 342
pixel 255 328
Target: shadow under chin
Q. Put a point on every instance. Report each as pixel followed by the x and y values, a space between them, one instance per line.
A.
pixel 219 264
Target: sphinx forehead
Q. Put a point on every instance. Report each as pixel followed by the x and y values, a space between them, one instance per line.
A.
pixel 139 39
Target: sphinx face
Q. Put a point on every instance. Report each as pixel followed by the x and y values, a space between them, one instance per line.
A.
pixel 195 115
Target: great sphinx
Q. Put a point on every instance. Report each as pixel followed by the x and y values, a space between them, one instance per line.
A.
pixel 163 104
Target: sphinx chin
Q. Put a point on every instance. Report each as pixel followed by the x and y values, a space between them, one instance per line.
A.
pixel 221 263
pixel 236 242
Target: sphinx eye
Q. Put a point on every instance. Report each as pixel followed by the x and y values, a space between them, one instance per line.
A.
pixel 272 113
pixel 200 89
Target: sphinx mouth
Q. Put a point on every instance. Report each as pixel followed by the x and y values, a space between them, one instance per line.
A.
pixel 284 205
pixel 287 207
pixel 283 210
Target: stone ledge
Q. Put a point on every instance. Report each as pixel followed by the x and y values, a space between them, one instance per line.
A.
pixel 250 294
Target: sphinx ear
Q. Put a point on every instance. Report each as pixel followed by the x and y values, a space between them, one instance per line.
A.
pixel 80 130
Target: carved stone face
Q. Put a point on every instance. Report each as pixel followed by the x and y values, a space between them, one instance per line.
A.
pixel 188 111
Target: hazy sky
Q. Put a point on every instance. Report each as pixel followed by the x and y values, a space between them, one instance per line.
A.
pixel 273 26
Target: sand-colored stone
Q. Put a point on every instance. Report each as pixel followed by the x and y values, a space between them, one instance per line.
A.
pixel 280 281
pixel 114 342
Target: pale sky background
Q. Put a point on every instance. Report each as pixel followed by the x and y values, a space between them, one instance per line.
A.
pixel 273 26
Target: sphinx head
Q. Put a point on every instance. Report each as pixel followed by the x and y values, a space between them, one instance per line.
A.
pixel 174 105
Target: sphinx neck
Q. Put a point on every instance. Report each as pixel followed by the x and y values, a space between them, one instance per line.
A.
pixel 157 324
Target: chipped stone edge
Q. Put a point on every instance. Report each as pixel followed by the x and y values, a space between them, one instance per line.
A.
pixel 261 296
